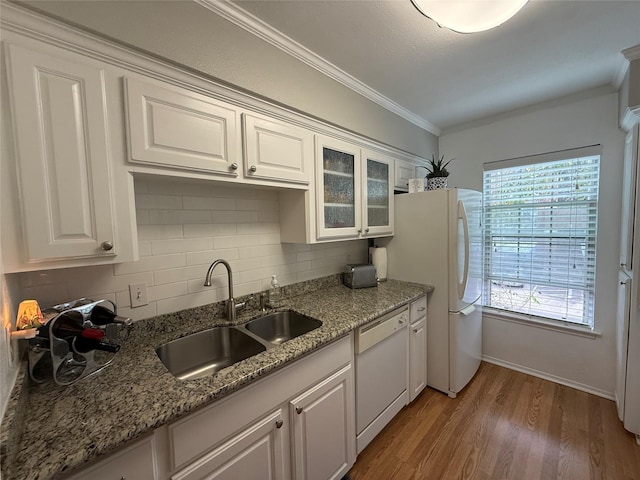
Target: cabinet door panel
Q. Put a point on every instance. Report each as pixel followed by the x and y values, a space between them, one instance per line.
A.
pixel 377 181
pixel 417 358
pixel 277 151
pixel 179 128
pixel 324 428
pixel 338 185
pixel 404 171
pixel 256 453
pixel 64 164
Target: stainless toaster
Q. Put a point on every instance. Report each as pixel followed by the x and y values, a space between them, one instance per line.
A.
pixel 360 275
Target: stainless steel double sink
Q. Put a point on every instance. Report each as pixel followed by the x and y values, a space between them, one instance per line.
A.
pixel 204 353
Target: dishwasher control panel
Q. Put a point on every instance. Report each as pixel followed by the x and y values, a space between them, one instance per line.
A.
pixel 372 333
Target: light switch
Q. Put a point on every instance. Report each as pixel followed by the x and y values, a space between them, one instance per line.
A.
pixel 138 294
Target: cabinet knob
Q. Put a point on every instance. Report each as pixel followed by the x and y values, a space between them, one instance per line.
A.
pixel 279 423
pixel 359 230
pixel 106 245
pixel 415 330
pixel 422 309
pixel 252 168
pixel 298 410
pixel 234 166
pixel 366 230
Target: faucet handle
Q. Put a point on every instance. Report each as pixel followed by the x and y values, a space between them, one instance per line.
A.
pixel 241 305
pixel 263 301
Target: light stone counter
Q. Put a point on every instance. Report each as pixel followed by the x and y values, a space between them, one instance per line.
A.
pixel 65 427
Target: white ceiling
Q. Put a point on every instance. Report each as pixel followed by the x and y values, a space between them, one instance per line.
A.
pixel 439 79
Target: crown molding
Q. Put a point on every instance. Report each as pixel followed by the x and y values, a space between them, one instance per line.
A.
pixel 632 53
pixel 262 30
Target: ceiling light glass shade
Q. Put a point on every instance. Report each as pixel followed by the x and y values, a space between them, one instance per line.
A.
pixel 468 16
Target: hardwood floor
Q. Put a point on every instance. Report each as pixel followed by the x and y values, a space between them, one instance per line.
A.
pixel 504 425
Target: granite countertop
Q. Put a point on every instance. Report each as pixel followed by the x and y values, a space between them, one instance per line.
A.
pixel 64 427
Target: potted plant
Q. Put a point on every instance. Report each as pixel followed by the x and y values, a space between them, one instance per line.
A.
pixel 438 173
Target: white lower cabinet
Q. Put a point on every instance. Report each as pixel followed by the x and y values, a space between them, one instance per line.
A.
pixel 323 429
pixel 418 348
pixel 256 453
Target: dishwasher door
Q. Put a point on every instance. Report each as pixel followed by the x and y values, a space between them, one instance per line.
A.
pixel 381 368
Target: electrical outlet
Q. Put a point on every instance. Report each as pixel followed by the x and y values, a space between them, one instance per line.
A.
pixel 138 294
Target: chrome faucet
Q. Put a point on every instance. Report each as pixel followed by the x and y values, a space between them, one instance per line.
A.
pixel 231 303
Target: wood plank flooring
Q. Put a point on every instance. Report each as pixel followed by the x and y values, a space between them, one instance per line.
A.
pixel 504 425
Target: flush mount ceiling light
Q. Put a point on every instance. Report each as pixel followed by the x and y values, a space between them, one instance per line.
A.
pixel 468 16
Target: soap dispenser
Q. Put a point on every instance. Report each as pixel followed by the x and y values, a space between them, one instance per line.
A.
pixel 274 293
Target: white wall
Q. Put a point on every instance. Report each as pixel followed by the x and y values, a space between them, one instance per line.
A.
pixel 583 362
pixel 183 226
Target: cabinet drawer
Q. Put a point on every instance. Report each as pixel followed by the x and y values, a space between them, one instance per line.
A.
pixel 136 462
pixel 418 309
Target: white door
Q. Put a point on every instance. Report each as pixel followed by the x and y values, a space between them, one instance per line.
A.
pixel 632 387
pixel 417 358
pixel 377 188
pixel 175 127
pixel 256 453
pixel 324 429
pixel 629 192
pixel 64 165
pixel 622 339
pixel 338 189
pixel 277 150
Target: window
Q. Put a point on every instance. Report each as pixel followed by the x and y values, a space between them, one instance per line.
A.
pixel 540 222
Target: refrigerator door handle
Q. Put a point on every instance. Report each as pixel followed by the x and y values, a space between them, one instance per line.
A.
pixel 462 215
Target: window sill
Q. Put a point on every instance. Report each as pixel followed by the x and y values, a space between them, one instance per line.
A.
pixel 556 326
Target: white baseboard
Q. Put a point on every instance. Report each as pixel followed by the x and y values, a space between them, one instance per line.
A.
pixel 552 378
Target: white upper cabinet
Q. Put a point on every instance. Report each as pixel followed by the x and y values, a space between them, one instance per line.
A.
pixel 175 127
pixel 64 202
pixel 338 189
pixel 351 198
pixel 404 172
pixel 354 191
pixel 377 184
pixel 276 150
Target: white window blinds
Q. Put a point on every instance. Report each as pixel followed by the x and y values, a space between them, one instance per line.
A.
pixel 540 222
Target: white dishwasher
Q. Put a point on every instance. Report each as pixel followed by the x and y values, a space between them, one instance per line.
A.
pixel 381 373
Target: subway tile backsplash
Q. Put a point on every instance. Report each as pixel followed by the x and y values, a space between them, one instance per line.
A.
pixel 183 226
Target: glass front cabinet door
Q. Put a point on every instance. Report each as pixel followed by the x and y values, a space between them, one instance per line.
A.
pixel 377 182
pixel 354 194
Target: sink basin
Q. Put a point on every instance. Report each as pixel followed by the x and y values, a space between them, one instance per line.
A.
pixel 204 353
pixel 278 327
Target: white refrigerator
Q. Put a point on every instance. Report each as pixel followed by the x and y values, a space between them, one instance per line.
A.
pixel 438 240
pixel 627 392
